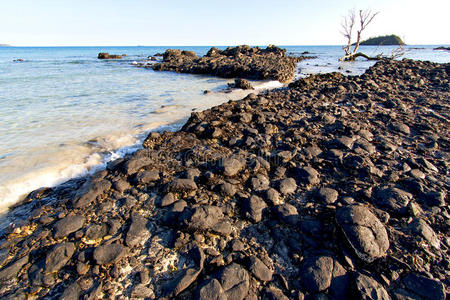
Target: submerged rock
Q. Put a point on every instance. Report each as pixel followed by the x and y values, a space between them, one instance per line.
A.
pixel 105 55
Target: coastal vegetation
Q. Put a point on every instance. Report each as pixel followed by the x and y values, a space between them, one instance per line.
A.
pixel 385 40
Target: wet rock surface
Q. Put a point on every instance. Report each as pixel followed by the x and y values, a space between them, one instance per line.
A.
pixel 316 191
pixel 241 61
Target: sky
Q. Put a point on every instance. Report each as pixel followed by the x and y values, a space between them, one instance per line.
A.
pixel 210 23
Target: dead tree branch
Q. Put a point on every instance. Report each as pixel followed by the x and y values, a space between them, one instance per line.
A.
pixel 365 18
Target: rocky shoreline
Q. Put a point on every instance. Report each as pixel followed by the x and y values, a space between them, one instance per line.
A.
pixel 333 188
pixel 241 61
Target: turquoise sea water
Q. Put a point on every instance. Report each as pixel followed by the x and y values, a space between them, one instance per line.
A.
pixel 63 112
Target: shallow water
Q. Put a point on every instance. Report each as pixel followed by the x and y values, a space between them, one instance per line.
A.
pixel 64 113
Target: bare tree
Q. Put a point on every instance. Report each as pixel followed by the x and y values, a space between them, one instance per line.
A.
pixel 365 18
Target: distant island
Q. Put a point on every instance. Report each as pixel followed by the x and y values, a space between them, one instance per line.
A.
pixel 5 45
pixel 384 40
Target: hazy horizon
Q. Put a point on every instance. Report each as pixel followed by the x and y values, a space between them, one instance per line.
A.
pixel 119 46
pixel 178 23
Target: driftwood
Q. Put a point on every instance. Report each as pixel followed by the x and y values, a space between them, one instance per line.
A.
pixel 365 18
pixel 353 56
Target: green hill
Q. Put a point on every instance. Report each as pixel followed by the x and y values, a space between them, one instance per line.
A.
pixel 384 40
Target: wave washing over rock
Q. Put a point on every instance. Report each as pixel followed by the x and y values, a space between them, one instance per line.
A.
pixel 335 187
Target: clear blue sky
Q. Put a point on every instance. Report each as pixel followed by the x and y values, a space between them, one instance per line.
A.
pixel 224 22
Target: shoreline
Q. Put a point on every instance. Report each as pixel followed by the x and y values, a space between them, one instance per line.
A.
pixel 86 157
pixel 298 163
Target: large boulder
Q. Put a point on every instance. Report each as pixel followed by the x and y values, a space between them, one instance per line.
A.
pixel 235 281
pixel 66 226
pixel 182 185
pixel 206 218
pixel 254 207
pixel 187 276
pixel 393 199
pixel 106 55
pixel 363 231
pixel 367 288
pixel 11 270
pixel 107 254
pixel 319 273
pixel 240 83
pixel 424 287
pixel 307 175
pixel 231 166
pixel 138 232
pixel 89 192
pixel 58 257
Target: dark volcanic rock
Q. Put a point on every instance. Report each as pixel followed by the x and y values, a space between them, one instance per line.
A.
pixel 393 199
pixel 167 200
pixel 234 280
pixel 313 191
pixel 259 269
pixel 138 232
pixel 105 55
pixel 287 186
pixel 212 290
pixel 364 232
pixel 231 166
pixel 424 287
pixel 181 185
pixel 206 218
pixel 368 288
pixel 241 61
pixel 316 273
pixel 58 257
pixel 107 254
pixel 240 83
pixel 327 195
pixel 10 271
pixel 420 227
pixel 147 176
pixel 187 276
pixel 307 175
pixel 253 207
pixel 66 226
pixel 286 213
pixel 72 292
pixel 132 165
pixel 89 192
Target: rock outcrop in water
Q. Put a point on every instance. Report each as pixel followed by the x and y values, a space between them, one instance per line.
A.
pixel 105 55
pixel 385 40
pixel 442 48
pixel 241 61
pixel 335 188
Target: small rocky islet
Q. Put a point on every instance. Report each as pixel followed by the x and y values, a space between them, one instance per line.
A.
pixel 332 188
pixel 241 62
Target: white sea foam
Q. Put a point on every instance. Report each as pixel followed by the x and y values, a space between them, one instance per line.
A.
pixel 65 113
pixel 267 84
pixel 48 165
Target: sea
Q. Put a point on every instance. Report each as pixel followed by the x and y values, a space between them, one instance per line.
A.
pixel 64 113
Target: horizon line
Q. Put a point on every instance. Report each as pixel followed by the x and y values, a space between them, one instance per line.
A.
pixel 234 45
